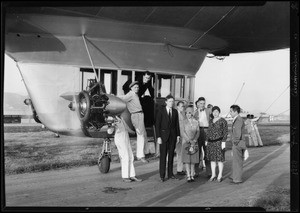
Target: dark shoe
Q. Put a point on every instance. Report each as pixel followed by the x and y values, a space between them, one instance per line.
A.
pixel 181 173
pixel 196 175
pixel 220 180
pixel 127 180
pixel 136 179
pixel 173 177
pixel 213 179
pixel 162 179
pixel 235 183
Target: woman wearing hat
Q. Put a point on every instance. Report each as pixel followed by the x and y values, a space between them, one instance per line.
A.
pixel 190 149
pixel 216 142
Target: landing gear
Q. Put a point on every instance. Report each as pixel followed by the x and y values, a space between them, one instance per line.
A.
pixel 105 157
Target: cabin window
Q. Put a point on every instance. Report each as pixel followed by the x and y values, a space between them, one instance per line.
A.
pixel 179 87
pixel 86 74
pixel 109 79
pixel 164 85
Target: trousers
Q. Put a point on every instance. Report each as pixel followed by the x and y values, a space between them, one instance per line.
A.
pixel 137 120
pixel 122 141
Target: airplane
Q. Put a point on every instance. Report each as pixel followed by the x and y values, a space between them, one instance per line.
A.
pixel 74 60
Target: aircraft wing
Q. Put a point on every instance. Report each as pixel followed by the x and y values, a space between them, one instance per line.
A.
pixel 162 38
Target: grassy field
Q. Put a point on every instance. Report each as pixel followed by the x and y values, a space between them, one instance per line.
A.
pixel 41 151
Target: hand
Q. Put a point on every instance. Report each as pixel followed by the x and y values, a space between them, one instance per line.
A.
pixel 246 154
pixel 159 141
pixel 178 139
pixel 223 146
pixel 206 143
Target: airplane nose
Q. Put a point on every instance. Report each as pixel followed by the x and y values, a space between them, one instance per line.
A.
pixel 115 105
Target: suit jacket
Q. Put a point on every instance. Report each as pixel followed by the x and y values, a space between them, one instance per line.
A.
pixel 208 112
pixel 163 127
pixel 237 130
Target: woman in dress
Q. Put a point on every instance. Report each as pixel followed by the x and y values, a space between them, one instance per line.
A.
pixel 216 143
pixel 249 127
pixel 190 150
pixel 255 129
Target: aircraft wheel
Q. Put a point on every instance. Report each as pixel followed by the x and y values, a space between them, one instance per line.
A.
pixel 104 164
pixel 84 106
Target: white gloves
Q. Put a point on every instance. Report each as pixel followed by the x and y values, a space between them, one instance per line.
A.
pixel 159 141
pixel 223 146
pixel 246 154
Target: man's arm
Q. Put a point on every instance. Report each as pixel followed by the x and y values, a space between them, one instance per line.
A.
pixel 255 119
pixel 127 97
pixel 125 87
pixel 237 131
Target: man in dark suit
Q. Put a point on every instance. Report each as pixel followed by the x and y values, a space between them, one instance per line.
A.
pixel 168 134
pixel 239 149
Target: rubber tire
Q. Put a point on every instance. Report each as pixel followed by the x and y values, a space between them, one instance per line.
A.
pixel 104 164
pixel 86 117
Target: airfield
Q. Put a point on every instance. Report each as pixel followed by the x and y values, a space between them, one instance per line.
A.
pixel 266 171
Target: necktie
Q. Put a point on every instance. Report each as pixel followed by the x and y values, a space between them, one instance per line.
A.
pixel 170 116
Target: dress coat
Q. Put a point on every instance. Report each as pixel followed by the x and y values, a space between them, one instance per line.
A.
pixel 191 132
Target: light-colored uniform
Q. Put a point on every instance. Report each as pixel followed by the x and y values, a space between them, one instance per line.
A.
pixel 256 132
pixel 254 137
pixel 137 118
pixel 122 142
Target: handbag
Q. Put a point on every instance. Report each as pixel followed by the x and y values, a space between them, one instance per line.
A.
pixel 192 149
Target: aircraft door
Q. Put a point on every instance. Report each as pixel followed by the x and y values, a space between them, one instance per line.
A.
pixel 147 98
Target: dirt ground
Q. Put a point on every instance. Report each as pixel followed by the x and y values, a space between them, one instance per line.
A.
pixel 86 187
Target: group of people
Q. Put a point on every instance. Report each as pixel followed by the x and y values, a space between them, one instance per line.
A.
pixel 198 137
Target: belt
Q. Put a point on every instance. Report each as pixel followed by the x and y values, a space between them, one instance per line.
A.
pixel 215 140
pixel 203 127
pixel 137 112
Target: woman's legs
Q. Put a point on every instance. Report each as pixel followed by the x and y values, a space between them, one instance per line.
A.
pixel 188 171
pixel 192 169
pixel 213 169
pixel 221 166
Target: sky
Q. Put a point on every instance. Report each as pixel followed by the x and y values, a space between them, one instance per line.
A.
pixel 265 76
